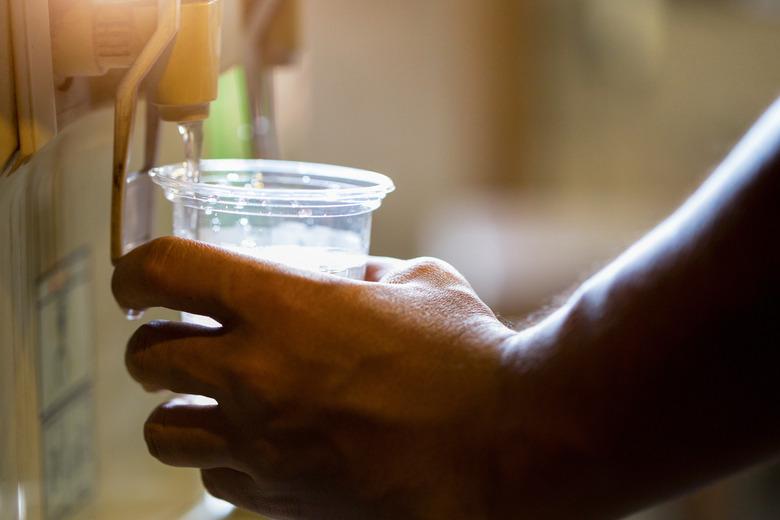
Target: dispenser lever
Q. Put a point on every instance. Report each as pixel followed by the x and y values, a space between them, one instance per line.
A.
pixel 168 23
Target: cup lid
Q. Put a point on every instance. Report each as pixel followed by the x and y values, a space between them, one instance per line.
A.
pixel 238 184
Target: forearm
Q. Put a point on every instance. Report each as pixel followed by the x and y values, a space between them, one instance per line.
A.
pixel 662 371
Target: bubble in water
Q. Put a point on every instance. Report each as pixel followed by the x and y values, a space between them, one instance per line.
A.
pixel 212 199
pixel 257 181
pixel 243 221
pixel 306 179
pixel 233 177
pixel 240 203
pixel 305 212
pixel 215 221
pixel 170 195
pixel 216 228
pixel 209 210
pixel 248 242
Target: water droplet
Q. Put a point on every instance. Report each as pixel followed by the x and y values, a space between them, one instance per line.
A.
pixel 305 212
pixel 133 314
pixel 243 221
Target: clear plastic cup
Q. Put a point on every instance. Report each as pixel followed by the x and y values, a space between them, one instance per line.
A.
pixel 309 216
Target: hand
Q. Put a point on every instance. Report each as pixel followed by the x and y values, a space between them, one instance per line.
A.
pixel 334 398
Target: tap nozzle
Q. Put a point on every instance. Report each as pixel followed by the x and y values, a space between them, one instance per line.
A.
pixel 184 82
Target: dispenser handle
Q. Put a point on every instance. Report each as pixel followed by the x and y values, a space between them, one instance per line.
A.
pixel 152 142
pixel 137 225
pixel 168 23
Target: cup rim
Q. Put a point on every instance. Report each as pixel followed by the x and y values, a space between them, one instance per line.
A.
pixel 367 185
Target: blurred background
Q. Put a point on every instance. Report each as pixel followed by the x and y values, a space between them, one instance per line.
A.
pixel 531 141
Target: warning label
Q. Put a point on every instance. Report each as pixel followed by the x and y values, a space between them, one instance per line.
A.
pixel 65 354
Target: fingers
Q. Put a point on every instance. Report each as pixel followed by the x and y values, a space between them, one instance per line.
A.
pixel 187 434
pixel 181 357
pixel 232 486
pixel 378 267
pixel 241 490
pixel 183 275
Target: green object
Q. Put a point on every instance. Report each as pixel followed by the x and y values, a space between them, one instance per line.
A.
pixel 228 130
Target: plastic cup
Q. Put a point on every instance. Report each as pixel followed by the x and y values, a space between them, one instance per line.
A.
pixel 310 216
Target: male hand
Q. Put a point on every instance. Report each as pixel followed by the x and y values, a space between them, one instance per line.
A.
pixel 334 398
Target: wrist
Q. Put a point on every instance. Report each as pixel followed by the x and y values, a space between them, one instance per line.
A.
pixel 545 453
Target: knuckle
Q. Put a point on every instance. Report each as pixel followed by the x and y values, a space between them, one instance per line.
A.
pixel 238 286
pixel 155 262
pixel 431 271
pixel 463 297
pixel 426 265
pixel 147 261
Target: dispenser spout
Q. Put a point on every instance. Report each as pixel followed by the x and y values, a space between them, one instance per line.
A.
pixel 184 83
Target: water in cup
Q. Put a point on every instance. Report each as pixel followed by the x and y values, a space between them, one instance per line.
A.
pixel 307 216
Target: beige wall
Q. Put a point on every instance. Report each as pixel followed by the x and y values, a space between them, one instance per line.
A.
pixel 405 88
pixel 517 135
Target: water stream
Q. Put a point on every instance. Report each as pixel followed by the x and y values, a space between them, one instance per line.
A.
pixel 192 135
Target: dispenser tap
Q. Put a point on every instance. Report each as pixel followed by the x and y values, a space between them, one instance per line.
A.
pixel 184 81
